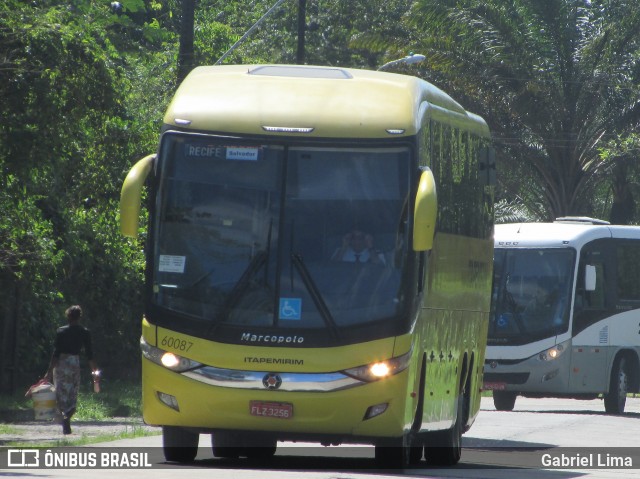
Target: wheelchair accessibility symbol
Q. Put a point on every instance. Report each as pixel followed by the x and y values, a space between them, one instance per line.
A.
pixel 290 308
pixel 503 321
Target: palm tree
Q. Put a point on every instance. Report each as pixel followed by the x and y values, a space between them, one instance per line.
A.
pixel 554 78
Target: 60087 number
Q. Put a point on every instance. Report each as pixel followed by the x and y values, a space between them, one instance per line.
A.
pixel 176 343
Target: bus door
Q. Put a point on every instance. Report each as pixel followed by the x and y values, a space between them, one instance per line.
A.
pixel 589 358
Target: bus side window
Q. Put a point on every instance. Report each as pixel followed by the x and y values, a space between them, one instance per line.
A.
pixel 594 299
pixel 628 272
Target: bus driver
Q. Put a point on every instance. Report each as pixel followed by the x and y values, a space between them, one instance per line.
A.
pixel 540 310
pixel 357 247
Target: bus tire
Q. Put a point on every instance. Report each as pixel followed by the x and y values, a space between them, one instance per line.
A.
pixel 398 453
pixel 444 448
pixel 230 445
pixel 504 400
pixel 179 445
pixel 616 398
pixel 260 448
pixel 224 445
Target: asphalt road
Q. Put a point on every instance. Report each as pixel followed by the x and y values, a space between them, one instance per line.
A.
pixel 541 438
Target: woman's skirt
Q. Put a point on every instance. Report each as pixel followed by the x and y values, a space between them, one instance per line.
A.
pixel 66 378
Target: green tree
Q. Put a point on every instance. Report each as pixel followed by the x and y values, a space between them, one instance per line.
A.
pixel 621 156
pixel 336 32
pixel 29 260
pixel 554 78
pixel 75 82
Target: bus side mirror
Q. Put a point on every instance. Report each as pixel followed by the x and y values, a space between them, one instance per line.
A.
pixel 131 196
pixel 425 212
pixel 589 277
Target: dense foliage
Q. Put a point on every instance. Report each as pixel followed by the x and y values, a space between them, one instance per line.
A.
pixel 83 87
pixel 558 79
pixel 84 83
pixel 74 117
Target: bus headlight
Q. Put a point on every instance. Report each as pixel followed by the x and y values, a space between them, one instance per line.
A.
pixel 379 370
pixel 167 359
pixel 553 353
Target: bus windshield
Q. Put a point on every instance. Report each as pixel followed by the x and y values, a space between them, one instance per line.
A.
pixel 531 294
pixel 280 237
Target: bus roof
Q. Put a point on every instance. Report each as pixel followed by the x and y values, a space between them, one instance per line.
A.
pixel 558 235
pixel 311 101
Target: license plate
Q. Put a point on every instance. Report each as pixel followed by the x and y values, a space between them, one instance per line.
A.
pixel 494 386
pixel 278 410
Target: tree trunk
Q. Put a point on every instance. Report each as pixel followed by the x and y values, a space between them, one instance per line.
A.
pixel 623 206
pixel 9 339
pixel 302 26
pixel 185 54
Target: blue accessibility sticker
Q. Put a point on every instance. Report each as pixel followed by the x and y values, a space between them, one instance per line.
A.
pixel 290 308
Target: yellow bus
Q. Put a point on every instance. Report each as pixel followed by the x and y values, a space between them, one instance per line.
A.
pixel 319 263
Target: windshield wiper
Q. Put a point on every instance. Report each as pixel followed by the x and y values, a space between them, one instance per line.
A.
pixel 241 286
pixel 261 258
pixel 201 278
pixel 298 262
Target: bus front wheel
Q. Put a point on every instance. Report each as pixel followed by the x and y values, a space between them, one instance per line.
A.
pixel 504 400
pixel 444 448
pixel 616 398
pixel 398 453
pixel 179 445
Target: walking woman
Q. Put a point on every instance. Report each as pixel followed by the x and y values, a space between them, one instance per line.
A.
pixel 64 367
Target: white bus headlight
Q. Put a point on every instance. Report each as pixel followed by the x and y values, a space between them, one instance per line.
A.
pixel 380 369
pixel 167 359
pixel 553 353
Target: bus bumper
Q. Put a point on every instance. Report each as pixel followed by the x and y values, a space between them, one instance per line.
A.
pixel 531 375
pixel 378 409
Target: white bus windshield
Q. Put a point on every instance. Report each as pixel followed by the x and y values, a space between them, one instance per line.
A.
pixel 280 237
pixel 531 294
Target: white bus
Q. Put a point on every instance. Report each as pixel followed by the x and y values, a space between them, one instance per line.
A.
pixel 566 312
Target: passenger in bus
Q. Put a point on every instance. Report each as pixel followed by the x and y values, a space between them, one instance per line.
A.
pixel 357 247
pixel 539 312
